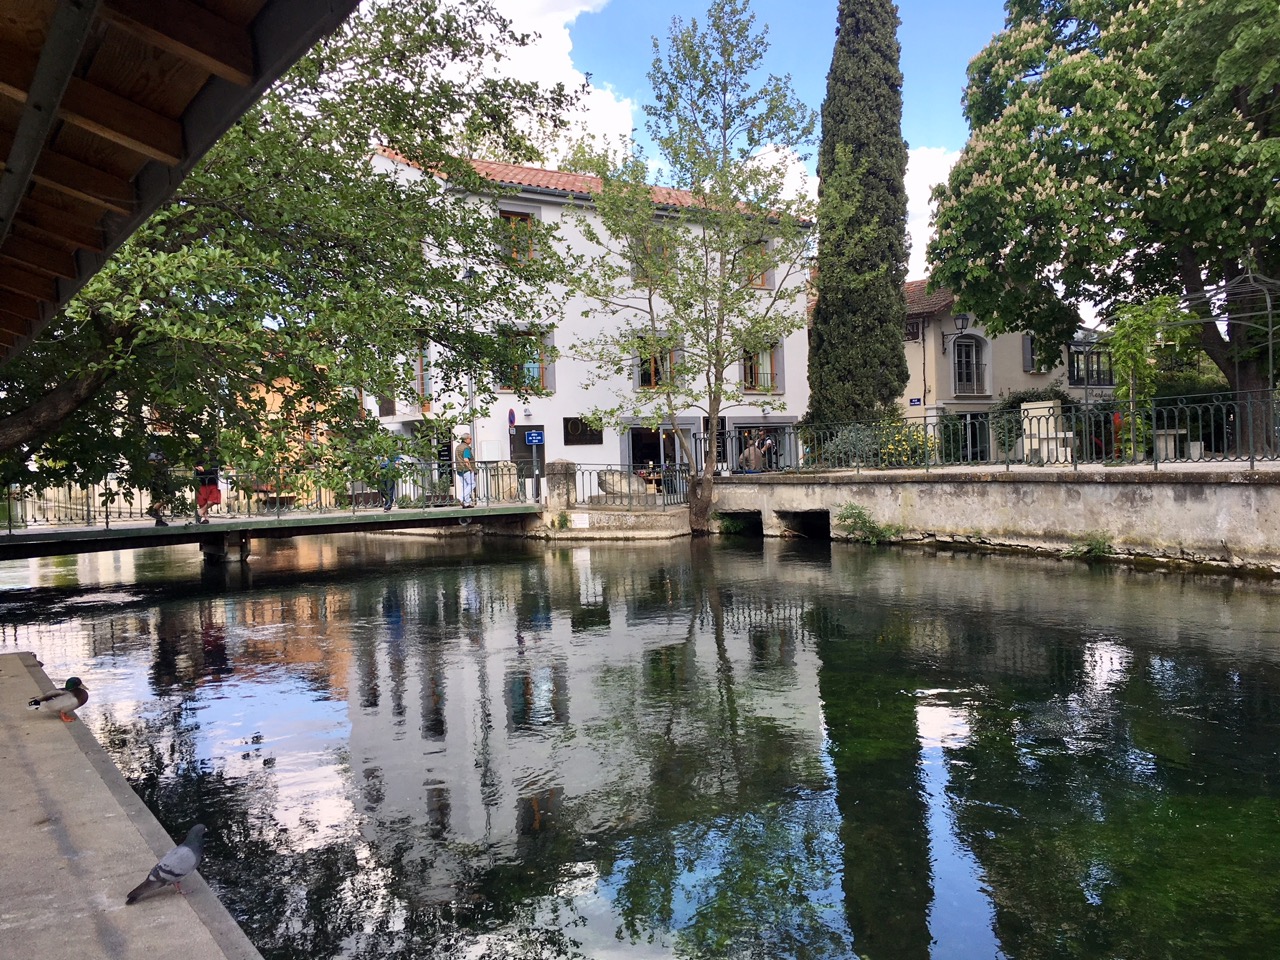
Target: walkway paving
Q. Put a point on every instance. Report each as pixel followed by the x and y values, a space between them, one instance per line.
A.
pixel 74 839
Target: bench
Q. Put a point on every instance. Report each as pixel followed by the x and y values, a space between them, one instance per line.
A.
pixel 1044 435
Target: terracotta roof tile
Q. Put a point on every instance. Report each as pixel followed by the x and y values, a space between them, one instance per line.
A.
pixel 922 303
pixel 557 181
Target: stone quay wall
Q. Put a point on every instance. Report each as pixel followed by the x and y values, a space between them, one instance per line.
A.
pixel 1224 517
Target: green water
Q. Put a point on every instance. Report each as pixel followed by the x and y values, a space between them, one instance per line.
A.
pixel 408 749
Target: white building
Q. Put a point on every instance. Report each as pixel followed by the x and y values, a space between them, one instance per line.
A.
pixel 551 427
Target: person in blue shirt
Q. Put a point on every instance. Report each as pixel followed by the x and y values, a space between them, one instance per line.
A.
pixel 388 485
pixel 464 461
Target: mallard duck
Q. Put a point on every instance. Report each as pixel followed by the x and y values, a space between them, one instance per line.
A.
pixel 66 701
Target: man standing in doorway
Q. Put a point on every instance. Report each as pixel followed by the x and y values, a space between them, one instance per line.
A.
pixel 464 461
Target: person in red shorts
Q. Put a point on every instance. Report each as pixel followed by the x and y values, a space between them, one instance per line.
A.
pixel 207 491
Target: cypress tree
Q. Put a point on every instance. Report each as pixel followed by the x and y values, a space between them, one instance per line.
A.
pixel 857 366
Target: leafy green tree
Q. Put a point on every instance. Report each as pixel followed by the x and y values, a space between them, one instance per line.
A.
pixel 857 368
pixel 696 280
pixel 295 270
pixel 1118 154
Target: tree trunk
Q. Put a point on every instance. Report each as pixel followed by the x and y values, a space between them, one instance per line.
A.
pixel 700 491
pixel 30 427
pixel 1255 420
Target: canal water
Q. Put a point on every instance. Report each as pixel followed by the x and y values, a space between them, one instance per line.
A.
pixel 411 748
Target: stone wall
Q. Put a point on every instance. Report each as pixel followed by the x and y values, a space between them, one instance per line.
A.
pixel 1203 516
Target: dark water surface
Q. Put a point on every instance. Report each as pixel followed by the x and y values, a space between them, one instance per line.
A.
pixel 404 748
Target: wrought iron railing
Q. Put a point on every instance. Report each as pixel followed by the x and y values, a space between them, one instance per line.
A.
pixel 247 495
pixel 607 485
pixel 1209 430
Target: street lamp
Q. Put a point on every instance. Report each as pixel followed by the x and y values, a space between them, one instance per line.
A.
pixel 961 320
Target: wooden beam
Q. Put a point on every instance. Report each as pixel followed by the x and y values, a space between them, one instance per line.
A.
pixel 19 309
pixel 12 328
pixel 46 79
pixel 38 257
pixel 122 122
pixel 28 284
pixel 189 32
pixel 56 224
pixel 100 112
pixel 71 177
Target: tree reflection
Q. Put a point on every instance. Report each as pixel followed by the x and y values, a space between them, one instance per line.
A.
pixel 712 832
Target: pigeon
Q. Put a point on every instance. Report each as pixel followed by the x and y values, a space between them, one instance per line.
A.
pixel 174 866
pixel 73 695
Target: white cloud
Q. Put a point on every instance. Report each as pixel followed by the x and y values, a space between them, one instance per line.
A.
pixel 926 167
pixel 611 117
pixel 797 181
pixel 549 59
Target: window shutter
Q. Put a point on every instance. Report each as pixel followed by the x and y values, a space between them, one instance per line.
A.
pixel 1028 353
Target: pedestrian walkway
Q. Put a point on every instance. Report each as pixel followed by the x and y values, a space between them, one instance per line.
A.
pixel 74 839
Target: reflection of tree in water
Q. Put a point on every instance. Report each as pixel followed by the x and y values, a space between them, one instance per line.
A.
pixel 870 709
pixel 716 833
pixel 734 855
pixel 1105 812
pixel 297 896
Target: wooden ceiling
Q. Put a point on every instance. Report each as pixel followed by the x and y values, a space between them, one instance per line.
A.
pixel 105 105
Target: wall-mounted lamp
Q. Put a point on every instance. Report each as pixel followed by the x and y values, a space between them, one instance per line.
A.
pixel 961 320
pixel 528 411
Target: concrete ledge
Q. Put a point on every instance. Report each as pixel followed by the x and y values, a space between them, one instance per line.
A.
pixel 613 523
pixel 74 839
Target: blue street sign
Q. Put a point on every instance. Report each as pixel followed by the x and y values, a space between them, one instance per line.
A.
pixel 916 401
pixel 533 438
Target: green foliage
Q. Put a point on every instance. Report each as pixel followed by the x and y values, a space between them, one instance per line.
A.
pixel 1119 153
pixel 675 276
pixel 889 442
pixel 729 525
pixel 288 274
pixel 1138 333
pixel 562 521
pixel 857 367
pixel 858 524
pixel 1092 547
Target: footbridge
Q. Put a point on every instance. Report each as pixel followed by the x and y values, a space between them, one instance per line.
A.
pixel 229 539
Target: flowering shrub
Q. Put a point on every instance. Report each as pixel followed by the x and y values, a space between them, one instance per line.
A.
pixel 884 443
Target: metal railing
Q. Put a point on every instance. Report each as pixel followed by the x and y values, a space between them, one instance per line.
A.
pixel 608 485
pixel 1211 430
pixel 249 495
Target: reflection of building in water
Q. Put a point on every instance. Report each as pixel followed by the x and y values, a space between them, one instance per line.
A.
pixel 528 720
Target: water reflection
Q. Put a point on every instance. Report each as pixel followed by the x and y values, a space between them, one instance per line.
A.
pixel 413 748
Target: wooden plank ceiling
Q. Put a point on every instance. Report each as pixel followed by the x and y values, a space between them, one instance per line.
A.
pixel 105 105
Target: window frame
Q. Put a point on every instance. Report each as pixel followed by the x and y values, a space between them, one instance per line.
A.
pixel 653 362
pixel 977 363
pixel 541 386
pixel 751 384
pixel 513 248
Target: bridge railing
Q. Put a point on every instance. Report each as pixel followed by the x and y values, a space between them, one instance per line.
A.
pixel 613 485
pixel 248 495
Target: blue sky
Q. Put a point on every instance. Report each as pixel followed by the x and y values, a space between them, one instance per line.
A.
pixel 938 39
pixel 609 42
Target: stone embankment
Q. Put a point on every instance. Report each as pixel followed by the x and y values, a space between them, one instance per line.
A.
pixel 1210 516
pixel 74 839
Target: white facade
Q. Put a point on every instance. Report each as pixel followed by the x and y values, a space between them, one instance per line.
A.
pixel 502 432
